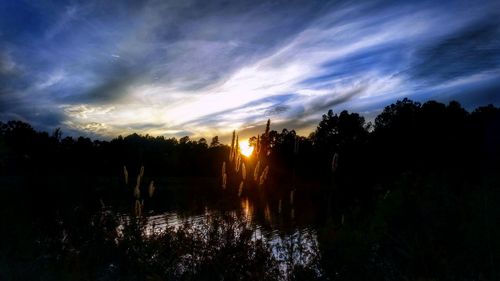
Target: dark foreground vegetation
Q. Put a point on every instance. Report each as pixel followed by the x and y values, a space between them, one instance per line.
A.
pixel 412 196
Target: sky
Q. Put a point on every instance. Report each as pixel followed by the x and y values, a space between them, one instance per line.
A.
pixel 204 68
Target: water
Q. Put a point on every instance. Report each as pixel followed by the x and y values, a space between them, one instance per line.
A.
pixel 289 228
pixel 67 222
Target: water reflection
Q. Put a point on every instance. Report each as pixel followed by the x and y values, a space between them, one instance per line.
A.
pixel 291 243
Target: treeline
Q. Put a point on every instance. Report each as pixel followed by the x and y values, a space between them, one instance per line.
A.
pixel 24 151
pixel 411 196
pixel 407 136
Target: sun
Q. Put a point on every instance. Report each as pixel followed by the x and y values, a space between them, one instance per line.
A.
pixel 246 149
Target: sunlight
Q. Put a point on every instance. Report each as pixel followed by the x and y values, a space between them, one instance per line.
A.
pixel 245 148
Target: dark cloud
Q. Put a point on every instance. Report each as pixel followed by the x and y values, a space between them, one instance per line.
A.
pixel 277 106
pixel 112 83
pixel 142 126
pixel 469 51
pixel 302 118
pixel 43 119
pixel 276 110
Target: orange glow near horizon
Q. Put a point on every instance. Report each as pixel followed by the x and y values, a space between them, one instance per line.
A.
pixel 246 149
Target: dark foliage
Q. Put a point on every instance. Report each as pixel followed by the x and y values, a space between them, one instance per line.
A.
pixel 414 197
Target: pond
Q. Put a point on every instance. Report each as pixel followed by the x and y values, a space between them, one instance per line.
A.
pixel 287 223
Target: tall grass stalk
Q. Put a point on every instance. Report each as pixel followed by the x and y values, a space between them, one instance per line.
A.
pixel 231 151
pixel 223 170
pixel 141 173
pixel 263 176
pixel 137 190
pixel 125 174
pixel 240 190
pixel 256 172
pixel 237 163
pixel 335 162
pixel 138 207
pixel 151 189
pixel 224 181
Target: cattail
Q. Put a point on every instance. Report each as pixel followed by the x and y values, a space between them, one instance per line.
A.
pixel 231 151
pixel 125 174
pixel 335 162
pixel 243 171
pixel 256 171
pixel 263 177
pixel 237 146
pixel 151 189
pixel 279 206
pixel 138 208
pixel 137 190
pixel 342 219
pixel 240 190
pixel 223 171
pixel 237 163
pixel 141 174
pixel 267 213
pixel 292 193
pixel 224 179
pixel 292 213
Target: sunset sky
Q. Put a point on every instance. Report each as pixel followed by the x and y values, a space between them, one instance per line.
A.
pixel 204 68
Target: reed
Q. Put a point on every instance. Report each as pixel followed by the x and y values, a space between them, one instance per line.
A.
pixel 231 151
pixel 335 162
pixel 224 181
pixel 237 163
pixel 223 170
pixel 292 195
pixel 279 206
pixel 237 145
pixel 243 171
pixel 138 207
pixel 151 189
pixel 263 177
pixel 137 190
pixel 240 190
pixel 267 213
pixel 256 171
pixel 125 174
pixel 139 204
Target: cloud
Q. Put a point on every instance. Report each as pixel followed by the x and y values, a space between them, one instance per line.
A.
pixel 208 67
pixel 467 52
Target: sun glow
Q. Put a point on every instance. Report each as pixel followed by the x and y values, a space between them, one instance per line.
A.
pixel 245 148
